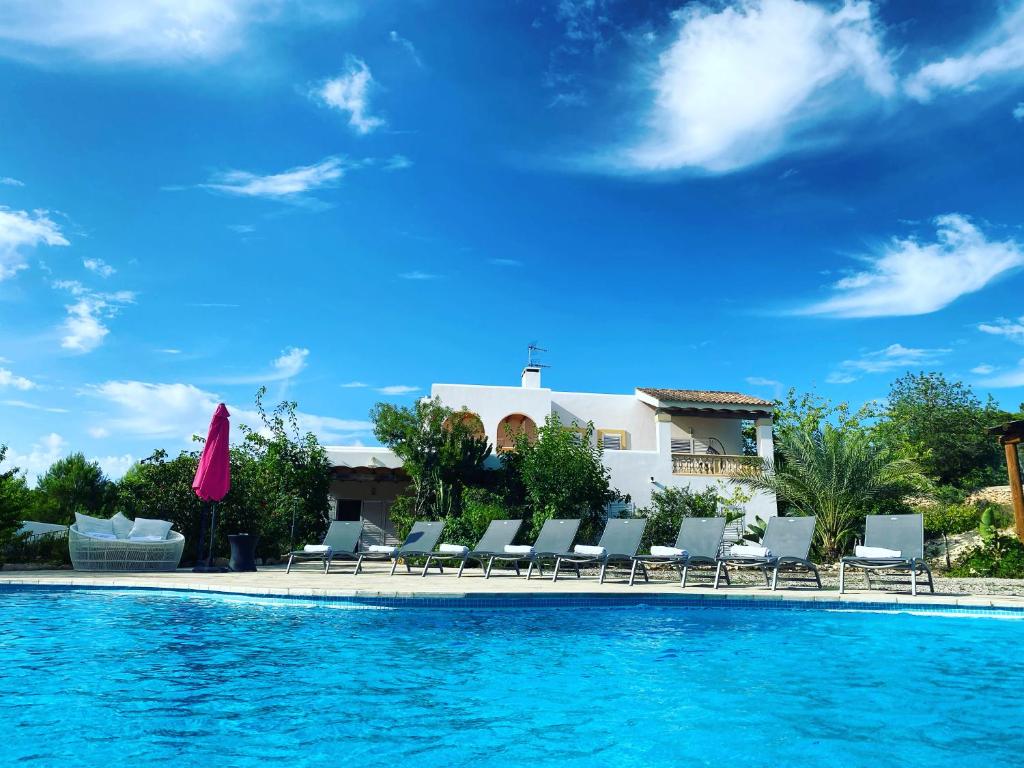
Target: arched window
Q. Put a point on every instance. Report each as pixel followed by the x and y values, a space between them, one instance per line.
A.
pixel 513 425
pixel 472 422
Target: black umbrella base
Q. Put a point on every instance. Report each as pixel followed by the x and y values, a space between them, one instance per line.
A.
pixel 204 568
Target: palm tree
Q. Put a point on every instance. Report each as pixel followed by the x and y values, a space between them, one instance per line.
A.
pixel 837 475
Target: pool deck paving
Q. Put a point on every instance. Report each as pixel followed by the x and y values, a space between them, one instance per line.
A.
pixel 272 581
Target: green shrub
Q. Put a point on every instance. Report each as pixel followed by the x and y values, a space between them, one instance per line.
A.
pixel 479 508
pixel 1001 557
pixel 951 519
pixel 668 508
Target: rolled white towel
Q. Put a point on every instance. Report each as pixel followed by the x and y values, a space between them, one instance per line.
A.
pixel 589 551
pixel 668 552
pixel 745 550
pixel 316 549
pixel 519 549
pixel 95 535
pixel 880 553
pixel 453 549
pixel 382 549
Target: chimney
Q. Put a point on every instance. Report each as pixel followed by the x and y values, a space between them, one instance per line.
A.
pixel 531 377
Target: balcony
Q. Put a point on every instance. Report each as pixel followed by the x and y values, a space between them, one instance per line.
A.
pixel 715 465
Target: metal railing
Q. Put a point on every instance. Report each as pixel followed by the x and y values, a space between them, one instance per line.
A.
pixel 715 464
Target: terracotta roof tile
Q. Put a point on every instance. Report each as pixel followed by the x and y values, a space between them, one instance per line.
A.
pixel 705 396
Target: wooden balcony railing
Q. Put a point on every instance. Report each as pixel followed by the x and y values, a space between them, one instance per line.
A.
pixel 715 465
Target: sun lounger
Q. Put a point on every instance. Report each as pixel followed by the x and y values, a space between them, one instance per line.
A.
pixel 891 543
pixel 419 543
pixel 784 549
pixel 499 534
pixel 619 543
pixel 555 538
pixel 340 542
pixel 697 544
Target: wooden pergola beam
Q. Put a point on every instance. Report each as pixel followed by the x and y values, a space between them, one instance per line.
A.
pixel 1010 435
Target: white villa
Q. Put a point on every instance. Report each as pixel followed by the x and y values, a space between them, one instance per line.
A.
pixel 652 438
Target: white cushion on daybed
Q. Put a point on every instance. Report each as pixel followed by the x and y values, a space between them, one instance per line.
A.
pixel 90 525
pixel 122 526
pixel 149 528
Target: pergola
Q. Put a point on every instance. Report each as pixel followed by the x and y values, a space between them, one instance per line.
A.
pixel 1010 436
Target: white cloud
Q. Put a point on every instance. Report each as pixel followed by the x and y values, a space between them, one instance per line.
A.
pixel 38 458
pixel 398 389
pixel 350 92
pixel 1010 329
pixel 397 163
pixel 287 365
pixel 743 83
pixel 149 32
pixel 179 411
pixel 99 266
pixel 99 432
pixel 290 185
pixel 20 230
pixel 114 466
pixel 999 52
pixel 84 329
pixel 505 262
pixel 909 277
pixel 760 381
pixel 7 181
pixel 1018 111
pixel 1013 378
pixel 984 369
pixel 242 229
pixel 417 275
pixel 8 379
pixel 893 357
pixel 354 385
pixel 394 37
pixel 33 406
pixel 170 351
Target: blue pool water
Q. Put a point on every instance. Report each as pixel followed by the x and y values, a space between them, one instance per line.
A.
pixel 155 679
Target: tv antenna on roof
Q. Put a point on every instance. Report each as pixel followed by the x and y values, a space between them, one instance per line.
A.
pixel 531 350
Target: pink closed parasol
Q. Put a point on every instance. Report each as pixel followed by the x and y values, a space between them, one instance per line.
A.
pixel 213 478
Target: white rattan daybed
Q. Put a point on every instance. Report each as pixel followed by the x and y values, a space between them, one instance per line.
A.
pixel 98 554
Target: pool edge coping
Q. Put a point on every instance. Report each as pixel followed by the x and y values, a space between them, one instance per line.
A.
pixel 830 600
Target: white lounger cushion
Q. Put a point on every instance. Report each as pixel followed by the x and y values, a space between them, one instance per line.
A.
pixel 519 549
pixel 880 553
pixel 453 549
pixel 146 538
pixel 668 552
pixel 744 550
pixel 316 549
pixel 382 549
pixel 589 551
pixel 92 525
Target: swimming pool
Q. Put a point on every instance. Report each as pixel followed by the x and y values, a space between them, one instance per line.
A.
pixel 99 678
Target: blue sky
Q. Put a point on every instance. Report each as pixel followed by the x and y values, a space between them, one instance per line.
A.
pixel 348 201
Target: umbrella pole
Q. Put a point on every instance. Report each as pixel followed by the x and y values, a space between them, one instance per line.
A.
pixel 213 529
pixel 201 545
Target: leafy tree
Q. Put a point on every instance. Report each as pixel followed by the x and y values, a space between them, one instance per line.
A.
pixel 280 475
pixel 941 425
pixel 837 475
pixel 275 471
pixel 70 485
pixel 442 456
pixel 561 475
pixel 15 499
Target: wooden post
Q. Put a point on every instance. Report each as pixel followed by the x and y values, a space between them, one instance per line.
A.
pixel 1016 491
